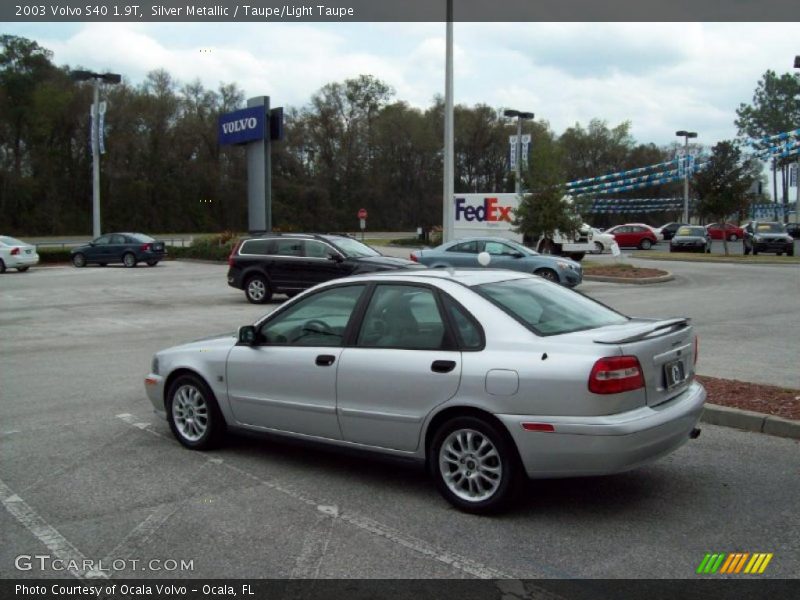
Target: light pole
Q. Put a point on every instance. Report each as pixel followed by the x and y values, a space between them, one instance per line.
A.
pixel 448 168
pixel 686 135
pixel 520 116
pixel 796 168
pixel 97 78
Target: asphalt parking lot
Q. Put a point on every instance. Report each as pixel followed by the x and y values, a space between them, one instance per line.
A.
pixel 90 472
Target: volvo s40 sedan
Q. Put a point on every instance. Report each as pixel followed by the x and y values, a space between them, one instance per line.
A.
pixel 485 375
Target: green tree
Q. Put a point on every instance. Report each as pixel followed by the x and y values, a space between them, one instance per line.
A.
pixel 775 109
pixel 723 185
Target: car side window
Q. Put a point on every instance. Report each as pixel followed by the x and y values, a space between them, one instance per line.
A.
pixel 103 240
pixel 498 249
pixel 469 334
pixel 405 317
pixel 287 247
pixel 465 247
pixel 316 249
pixel 117 239
pixel 259 247
pixel 318 320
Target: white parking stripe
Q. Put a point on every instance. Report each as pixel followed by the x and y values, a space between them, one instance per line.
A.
pixel 315 544
pixel 420 547
pixel 47 534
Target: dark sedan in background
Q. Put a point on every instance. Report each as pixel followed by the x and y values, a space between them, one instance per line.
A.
pixel 768 236
pixel 127 248
pixel 690 238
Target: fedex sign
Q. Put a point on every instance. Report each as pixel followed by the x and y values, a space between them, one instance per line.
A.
pixel 492 211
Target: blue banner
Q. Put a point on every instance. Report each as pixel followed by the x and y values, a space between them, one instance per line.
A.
pixel 242 126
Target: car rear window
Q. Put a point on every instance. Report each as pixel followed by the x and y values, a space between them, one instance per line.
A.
pixel 548 309
pixel 141 237
pixel 698 231
pixel 9 241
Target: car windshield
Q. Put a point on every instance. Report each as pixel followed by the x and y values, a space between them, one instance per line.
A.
pixel 770 228
pixel 548 309
pixel 9 241
pixel 353 248
pixel 695 231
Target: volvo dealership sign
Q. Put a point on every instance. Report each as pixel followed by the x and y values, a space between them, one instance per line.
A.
pixel 242 126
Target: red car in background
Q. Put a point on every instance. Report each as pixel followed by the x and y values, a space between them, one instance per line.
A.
pixel 732 232
pixel 633 236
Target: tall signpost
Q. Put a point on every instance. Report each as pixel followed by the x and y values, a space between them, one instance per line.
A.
pixel 254 127
pixel 448 215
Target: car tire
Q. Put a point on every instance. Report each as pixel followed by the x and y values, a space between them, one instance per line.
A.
pixel 152 263
pixel 129 260
pixel 671 249
pixel 22 269
pixel 79 260
pixel 193 413
pixel 746 250
pixel 2 267
pixel 790 251
pixel 548 274
pixel 257 290
pixel 708 249
pixel 488 487
pixel 755 252
pixel 733 237
pixel 645 244
pixel 599 248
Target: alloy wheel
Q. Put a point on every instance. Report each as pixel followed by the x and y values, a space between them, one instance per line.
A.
pixel 190 412
pixel 470 465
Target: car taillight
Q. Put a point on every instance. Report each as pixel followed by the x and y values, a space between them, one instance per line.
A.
pixel 696 347
pixel 145 247
pixel 615 374
pixel 234 250
pixel 14 251
pixel 413 257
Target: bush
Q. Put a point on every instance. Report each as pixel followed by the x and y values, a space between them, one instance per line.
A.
pixel 54 255
pixel 208 247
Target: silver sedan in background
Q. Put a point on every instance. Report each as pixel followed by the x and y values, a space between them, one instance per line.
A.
pixel 484 375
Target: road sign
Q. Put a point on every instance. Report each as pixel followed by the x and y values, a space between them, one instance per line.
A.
pixel 362 213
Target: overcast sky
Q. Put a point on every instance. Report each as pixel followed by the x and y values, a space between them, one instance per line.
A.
pixel 660 76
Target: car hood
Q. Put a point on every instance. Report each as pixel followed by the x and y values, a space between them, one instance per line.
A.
pixel 387 262
pixel 772 236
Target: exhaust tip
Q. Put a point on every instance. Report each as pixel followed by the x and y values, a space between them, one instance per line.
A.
pixel 695 433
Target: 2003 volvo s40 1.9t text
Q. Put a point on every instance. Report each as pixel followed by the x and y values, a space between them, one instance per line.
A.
pixel 485 375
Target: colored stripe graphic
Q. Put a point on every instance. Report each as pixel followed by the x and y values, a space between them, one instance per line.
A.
pixel 733 563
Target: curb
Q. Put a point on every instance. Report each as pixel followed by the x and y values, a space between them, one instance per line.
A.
pixel 749 420
pixel 640 281
pixel 720 260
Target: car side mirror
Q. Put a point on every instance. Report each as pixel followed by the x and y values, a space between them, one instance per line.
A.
pixel 91 243
pixel 335 258
pixel 518 255
pixel 248 335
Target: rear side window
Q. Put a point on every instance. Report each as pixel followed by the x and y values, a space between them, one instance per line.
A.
pixel 548 309
pixel 466 247
pixel 469 334
pixel 260 247
pixel 287 247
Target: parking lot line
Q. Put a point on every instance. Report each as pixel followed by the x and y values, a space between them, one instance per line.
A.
pixel 376 528
pixel 47 535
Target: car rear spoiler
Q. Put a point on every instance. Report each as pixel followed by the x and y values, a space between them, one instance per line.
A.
pixel 670 324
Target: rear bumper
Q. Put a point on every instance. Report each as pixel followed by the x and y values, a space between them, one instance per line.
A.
pixel 609 444
pixel 235 278
pixel 21 260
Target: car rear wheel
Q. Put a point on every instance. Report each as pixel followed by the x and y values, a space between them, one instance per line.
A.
pixel 257 290
pixel 2 266
pixel 548 274
pixel 790 251
pixel 599 248
pixel 129 260
pixel 79 260
pixel 22 269
pixel 645 244
pixel 193 414
pixel 733 237
pixel 152 263
pixel 474 465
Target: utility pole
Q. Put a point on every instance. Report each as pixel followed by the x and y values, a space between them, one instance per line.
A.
pixel 686 135
pixel 448 216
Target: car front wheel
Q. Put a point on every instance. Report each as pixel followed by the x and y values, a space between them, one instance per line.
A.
pixel 548 274
pixel 257 290
pixel 22 269
pixel 193 414
pixel 733 237
pixel 152 263
pixel 79 260
pixel 645 244
pixel 474 465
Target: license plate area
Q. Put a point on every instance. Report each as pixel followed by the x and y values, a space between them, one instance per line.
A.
pixel 674 373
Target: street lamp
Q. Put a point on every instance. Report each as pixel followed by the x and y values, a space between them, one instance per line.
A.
pixel 520 117
pixel 686 135
pixel 97 78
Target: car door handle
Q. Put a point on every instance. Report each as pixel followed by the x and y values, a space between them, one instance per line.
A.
pixel 325 360
pixel 443 366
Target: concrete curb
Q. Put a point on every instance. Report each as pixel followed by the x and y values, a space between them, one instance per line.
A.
pixel 640 281
pixel 749 420
pixel 720 260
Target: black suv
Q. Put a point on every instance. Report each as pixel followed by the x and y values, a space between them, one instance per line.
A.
pixel 767 236
pixel 289 263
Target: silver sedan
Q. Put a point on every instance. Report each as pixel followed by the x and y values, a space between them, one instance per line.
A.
pixel 485 375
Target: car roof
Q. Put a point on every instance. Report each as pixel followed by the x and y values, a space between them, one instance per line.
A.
pixel 485 238
pixel 464 276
